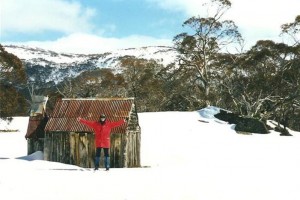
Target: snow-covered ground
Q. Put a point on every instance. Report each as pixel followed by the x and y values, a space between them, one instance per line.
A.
pixel 13 144
pixel 185 158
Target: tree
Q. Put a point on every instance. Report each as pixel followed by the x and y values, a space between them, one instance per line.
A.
pixel 199 48
pixel 292 30
pixel 12 79
pixel 143 83
pixel 96 83
pixel 180 89
pixel 265 81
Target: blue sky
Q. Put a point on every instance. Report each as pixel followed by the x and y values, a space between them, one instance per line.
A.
pixel 96 26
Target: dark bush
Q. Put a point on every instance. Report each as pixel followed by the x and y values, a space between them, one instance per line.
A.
pixel 242 123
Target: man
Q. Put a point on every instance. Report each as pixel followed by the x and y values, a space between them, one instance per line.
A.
pixel 102 130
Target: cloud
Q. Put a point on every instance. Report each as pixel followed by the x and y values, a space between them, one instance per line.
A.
pixel 256 19
pixel 189 7
pixel 71 19
pixel 261 20
pixel 34 16
pixel 83 43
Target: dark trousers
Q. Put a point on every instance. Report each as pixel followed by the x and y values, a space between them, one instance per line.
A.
pixel 98 151
pixel 106 157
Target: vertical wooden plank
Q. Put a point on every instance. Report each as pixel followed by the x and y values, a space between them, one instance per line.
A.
pixel 59 147
pixel 46 146
pixel 72 148
pixel 92 150
pixel 86 145
pixel 56 150
pixel 65 148
pixel 86 150
pixel 29 146
pixel 51 147
pixel 77 156
pixel 125 150
pixel 79 150
pixel 82 156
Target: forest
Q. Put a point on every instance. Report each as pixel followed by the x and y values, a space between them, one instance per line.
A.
pixel 212 68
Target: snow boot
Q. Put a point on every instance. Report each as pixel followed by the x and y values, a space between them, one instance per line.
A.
pixel 106 163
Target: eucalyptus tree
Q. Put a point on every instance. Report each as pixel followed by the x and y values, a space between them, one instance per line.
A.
pixel 143 83
pixel 12 79
pixel 206 38
pixel 292 30
pixel 95 83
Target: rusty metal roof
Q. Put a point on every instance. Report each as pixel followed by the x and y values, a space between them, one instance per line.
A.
pixel 66 111
pixel 36 126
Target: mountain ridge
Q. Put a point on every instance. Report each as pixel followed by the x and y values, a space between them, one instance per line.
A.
pixel 46 67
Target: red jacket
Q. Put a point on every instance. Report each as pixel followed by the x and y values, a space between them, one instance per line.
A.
pixel 102 132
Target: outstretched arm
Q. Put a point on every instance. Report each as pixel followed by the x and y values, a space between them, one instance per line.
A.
pixel 117 123
pixel 86 122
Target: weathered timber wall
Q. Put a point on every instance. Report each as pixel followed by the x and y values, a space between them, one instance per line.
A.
pixel 82 149
pixel 132 141
pixel 70 148
pixel 116 155
pixel 57 147
pixel 79 149
pixel 35 144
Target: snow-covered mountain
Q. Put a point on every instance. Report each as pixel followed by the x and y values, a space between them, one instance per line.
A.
pixel 49 67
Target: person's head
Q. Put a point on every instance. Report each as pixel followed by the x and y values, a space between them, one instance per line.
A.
pixel 102 118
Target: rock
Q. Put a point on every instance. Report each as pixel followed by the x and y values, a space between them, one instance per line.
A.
pixel 242 123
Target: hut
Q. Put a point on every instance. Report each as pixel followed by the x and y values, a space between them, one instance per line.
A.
pixel 70 142
pixel 37 122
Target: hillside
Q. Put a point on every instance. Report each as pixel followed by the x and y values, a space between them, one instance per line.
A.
pixel 46 67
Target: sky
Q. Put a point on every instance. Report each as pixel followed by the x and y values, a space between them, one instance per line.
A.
pixel 96 26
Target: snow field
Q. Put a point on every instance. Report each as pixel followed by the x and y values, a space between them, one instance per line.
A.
pixel 185 158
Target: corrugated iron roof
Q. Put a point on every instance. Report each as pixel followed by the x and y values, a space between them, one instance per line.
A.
pixel 36 126
pixel 66 111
